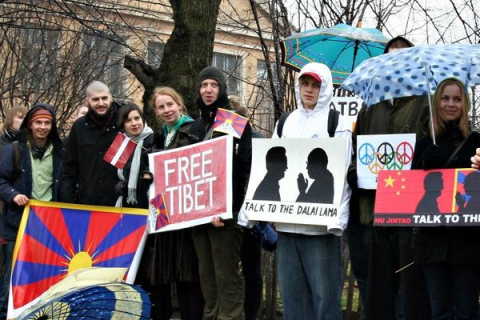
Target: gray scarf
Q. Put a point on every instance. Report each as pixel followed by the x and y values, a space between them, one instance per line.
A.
pixel 134 168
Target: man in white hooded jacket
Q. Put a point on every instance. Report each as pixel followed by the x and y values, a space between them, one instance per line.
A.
pixel 309 257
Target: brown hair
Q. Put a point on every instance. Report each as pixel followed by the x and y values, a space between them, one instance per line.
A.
pixel 438 120
pixel 11 113
pixel 125 111
pixel 162 91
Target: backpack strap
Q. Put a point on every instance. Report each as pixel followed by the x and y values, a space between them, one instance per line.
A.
pixel 281 123
pixel 16 152
pixel 333 116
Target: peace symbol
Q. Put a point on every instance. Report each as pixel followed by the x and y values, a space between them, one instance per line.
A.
pixel 385 153
pixel 394 165
pixel 376 165
pixel 404 152
pixel 366 153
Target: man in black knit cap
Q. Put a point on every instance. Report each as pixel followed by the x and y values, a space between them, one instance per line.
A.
pixel 218 244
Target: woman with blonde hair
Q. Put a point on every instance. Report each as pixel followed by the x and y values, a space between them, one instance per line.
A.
pixel 450 256
pixel 170 257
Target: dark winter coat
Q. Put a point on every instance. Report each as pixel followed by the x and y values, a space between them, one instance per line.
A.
pixel 170 256
pixel 86 177
pixel 15 181
pixel 242 148
pixel 5 139
pixel 405 115
pixel 451 244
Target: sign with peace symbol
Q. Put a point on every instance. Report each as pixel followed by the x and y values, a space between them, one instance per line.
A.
pixel 382 152
pixel 385 153
pixel 366 153
pixel 394 164
pixel 405 152
pixel 376 165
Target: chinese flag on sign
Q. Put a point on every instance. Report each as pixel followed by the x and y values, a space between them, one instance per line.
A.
pixel 230 123
pixel 120 151
pixel 401 191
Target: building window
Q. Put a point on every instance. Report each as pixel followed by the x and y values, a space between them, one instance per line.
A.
pixel 105 58
pixel 230 64
pixel 39 52
pixel 262 72
pixel 155 53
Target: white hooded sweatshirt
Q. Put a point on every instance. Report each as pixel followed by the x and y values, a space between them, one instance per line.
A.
pixel 305 123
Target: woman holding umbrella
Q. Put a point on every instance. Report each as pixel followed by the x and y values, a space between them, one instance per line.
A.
pixel 450 256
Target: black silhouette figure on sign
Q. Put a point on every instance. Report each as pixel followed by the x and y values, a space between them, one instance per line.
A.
pixel 471 185
pixel 321 190
pixel 269 188
pixel 433 185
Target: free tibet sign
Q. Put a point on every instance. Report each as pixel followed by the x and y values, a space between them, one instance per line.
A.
pixel 194 182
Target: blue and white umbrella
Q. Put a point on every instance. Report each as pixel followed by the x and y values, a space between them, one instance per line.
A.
pixel 414 71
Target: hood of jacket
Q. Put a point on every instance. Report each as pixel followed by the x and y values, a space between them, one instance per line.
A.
pixel 326 88
pixel 53 136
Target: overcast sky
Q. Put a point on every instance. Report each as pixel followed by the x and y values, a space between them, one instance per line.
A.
pixel 413 21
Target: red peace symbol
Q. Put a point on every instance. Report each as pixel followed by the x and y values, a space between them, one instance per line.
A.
pixel 405 153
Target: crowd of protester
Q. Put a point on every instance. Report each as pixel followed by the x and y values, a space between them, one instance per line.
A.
pixel 216 267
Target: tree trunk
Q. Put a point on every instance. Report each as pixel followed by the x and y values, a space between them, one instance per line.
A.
pixel 188 50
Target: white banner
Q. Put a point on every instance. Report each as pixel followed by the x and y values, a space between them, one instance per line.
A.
pixel 382 152
pixel 296 180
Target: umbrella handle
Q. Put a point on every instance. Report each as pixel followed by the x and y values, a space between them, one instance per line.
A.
pixel 427 72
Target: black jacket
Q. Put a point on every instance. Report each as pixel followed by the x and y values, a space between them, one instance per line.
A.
pixel 242 152
pixel 5 139
pixel 452 244
pixel 86 177
pixel 405 115
pixel 14 181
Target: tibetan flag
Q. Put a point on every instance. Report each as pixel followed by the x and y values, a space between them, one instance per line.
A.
pixel 120 151
pixel 160 210
pixel 230 123
pixel 55 239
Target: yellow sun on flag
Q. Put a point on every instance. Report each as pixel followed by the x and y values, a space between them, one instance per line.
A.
pixel 79 260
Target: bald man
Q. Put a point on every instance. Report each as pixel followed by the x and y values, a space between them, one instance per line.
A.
pixel 87 178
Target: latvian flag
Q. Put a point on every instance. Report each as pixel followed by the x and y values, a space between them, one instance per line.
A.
pixel 120 151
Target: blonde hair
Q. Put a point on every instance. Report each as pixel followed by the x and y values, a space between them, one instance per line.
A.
pixel 438 120
pixel 162 91
pixel 12 113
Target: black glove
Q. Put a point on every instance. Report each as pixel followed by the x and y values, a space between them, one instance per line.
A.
pixel 119 188
pixel 432 157
pixel 352 179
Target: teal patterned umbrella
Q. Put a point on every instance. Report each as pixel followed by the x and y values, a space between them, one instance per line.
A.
pixel 342 48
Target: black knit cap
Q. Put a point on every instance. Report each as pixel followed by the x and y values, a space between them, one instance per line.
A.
pixel 215 74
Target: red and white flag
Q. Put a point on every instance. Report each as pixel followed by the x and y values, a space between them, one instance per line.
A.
pixel 120 151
